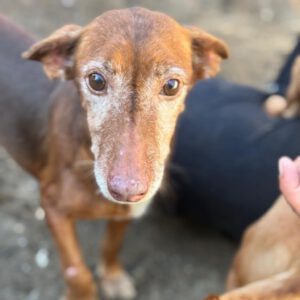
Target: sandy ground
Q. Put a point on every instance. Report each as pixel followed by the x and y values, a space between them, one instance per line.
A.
pixel 168 258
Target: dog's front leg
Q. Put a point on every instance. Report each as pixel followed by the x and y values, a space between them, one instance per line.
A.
pixel 115 282
pixel 78 278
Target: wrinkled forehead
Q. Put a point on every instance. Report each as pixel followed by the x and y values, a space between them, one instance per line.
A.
pixel 123 40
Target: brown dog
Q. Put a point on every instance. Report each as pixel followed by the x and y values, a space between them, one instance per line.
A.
pixel 99 144
pixel 267 266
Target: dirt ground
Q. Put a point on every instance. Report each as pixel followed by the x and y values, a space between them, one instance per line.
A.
pixel 168 258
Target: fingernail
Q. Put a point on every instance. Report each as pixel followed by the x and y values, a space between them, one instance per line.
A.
pixel 281 165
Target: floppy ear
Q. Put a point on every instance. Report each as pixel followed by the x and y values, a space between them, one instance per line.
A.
pixel 208 52
pixel 56 52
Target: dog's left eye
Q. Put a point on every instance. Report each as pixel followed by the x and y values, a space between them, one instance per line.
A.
pixel 97 82
pixel 171 87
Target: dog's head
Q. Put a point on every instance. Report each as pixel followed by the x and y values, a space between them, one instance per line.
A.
pixel 133 69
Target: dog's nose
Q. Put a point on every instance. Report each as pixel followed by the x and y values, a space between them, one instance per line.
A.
pixel 127 189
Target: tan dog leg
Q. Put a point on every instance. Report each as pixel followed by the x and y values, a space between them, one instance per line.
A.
pixel 283 286
pixel 232 282
pixel 115 282
pixel 288 108
pixel 275 105
pixel 78 278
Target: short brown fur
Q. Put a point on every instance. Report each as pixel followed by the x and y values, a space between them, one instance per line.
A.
pixel 267 265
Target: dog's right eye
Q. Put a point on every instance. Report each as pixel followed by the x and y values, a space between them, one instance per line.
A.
pixel 97 82
pixel 171 87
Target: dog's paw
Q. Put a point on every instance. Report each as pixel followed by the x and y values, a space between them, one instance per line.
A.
pixel 212 297
pixel 275 105
pixel 120 286
pixel 78 298
pixel 68 296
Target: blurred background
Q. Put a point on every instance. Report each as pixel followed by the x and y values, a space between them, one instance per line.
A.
pixel 168 258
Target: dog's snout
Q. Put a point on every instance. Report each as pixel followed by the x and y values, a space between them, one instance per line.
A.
pixel 127 189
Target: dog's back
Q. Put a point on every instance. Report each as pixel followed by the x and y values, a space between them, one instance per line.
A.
pixel 267 264
pixel 24 99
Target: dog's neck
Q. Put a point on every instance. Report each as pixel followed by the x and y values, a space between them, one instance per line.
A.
pixel 68 139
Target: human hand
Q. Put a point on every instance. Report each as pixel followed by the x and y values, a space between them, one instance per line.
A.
pixel 289 181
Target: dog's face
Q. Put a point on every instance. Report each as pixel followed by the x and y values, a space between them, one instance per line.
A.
pixel 133 69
